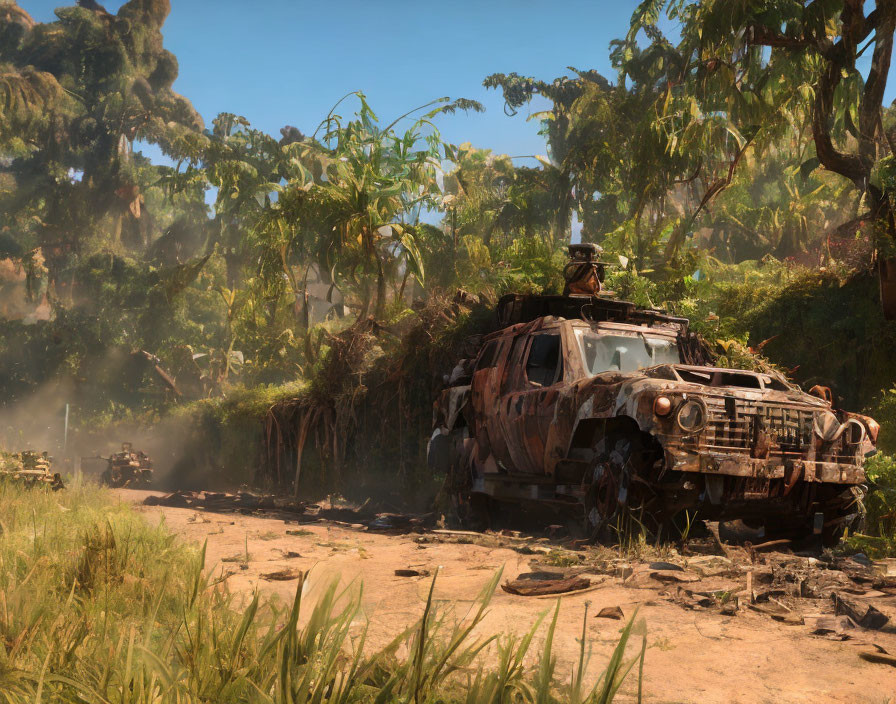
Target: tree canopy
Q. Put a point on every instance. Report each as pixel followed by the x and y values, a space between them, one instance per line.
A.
pixel 752 132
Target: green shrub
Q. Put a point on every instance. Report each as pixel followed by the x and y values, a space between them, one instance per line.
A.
pixel 878 536
pixel 881 500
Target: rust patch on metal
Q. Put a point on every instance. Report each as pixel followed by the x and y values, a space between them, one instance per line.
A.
pixel 549 396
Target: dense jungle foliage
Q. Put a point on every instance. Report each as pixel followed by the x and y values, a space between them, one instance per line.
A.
pixel 271 295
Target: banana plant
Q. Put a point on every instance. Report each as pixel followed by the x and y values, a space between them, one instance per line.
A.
pixel 356 191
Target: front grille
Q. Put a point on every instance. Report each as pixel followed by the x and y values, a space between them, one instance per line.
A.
pixel 734 425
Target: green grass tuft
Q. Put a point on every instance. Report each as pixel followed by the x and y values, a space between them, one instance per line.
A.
pixel 98 606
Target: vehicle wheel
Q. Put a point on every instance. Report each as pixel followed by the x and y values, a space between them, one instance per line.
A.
pixel 448 453
pixel 475 511
pixel 847 513
pixel 606 500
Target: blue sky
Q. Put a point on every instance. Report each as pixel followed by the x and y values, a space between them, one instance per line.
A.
pixel 278 62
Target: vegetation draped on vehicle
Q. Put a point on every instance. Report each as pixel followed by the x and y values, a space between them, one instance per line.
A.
pixel 601 408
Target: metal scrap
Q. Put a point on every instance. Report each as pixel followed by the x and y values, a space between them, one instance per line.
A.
pixel 284 575
pixel 613 612
pixel 220 501
pixel 864 614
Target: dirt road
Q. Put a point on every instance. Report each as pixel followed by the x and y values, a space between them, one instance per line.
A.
pixel 695 654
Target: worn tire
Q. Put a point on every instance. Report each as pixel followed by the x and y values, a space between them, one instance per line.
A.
pixel 468 510
pixel 848 515
pixel 606 499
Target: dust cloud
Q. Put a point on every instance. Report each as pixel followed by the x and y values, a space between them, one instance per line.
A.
pixel 38 422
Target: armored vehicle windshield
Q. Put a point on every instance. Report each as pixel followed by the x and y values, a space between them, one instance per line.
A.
pixel 623 351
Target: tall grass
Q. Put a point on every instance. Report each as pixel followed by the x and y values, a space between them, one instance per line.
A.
pixel 98 606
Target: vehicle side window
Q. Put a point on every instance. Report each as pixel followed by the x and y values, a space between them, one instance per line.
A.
pixel 489 356
pixel 544 366
pixel 511 368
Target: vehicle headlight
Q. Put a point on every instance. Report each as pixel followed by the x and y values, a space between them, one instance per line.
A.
pixel 662 406
pixel 691 416
pixel 855 432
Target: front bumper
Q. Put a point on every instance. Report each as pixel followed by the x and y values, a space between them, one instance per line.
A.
pixel 792 470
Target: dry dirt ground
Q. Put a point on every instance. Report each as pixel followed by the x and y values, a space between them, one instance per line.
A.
pixel 705 653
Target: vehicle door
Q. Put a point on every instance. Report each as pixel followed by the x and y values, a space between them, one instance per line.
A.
pixel 484 399
pixel 530 388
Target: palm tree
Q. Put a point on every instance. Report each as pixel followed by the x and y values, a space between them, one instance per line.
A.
pixel 358 189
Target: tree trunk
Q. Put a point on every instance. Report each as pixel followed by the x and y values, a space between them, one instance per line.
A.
pixel 365 300
pixel 380 289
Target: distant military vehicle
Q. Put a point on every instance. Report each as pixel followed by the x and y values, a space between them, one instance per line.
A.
pixel 31 468
pixel 602 409
pixel 128 468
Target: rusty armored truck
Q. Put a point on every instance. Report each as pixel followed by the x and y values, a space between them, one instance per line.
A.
pixel 605 410
pixel 128 468
pixel 30 468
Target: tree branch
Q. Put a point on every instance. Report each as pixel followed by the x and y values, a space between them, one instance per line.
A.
pixel 850 166
pixel 761 35
pixel 711 192
pixel 876 83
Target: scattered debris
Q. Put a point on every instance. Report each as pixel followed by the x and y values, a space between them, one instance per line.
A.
pixel 399 522
pixel 240 557
pixel 613 612
pixel 242 501
pixel 665 566
pixel 834 627
pixel 779 613
pixel 290 554
pixel 865 615
pixel 779 585
pixel 862 559
pixel 541 583
pixel 728 609
pixel 469 533
pixel 284 575
pixel 676 575
pixel 694 600
pixel 768 545
pixel 624 571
